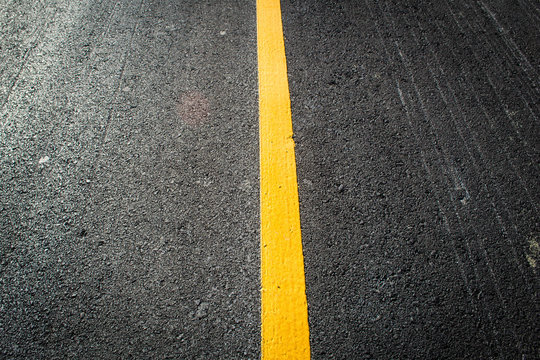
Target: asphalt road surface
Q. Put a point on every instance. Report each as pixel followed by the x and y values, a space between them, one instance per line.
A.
pixel 129 178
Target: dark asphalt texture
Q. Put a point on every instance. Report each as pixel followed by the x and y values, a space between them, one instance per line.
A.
pixel 129 197
pixel 417 149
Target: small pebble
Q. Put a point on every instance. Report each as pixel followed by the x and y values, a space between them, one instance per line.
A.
pixel 202 310
pixel 44 159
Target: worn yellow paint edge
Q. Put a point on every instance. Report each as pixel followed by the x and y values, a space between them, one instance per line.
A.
pixel 284 317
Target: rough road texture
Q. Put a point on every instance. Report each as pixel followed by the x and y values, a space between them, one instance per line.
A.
pixel 418 152
pixel 128 229
pixel 129 178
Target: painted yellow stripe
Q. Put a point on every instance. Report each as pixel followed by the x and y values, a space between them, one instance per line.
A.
pixel 284 328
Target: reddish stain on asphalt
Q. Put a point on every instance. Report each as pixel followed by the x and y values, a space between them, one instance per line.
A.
pixel 193 108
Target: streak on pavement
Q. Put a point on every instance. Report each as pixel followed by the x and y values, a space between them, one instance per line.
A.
pixel 416 125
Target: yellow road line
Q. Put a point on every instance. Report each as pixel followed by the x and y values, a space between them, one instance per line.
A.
pixel 284 319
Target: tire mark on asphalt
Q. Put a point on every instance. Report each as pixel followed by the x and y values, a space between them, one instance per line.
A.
pixel 501 102
pixel 25 58
pixel 478 171
pixel 92 54
pixel 490 121
pixel 502 50
pixel 118 82
pixel 477 145
pixel 6 25
pixel 510 43
pixel 92 60
pixel 99 148
pixel 450 183
pixel 505 148
pixel 461 266
pixel 532 5
pixel 86 82
pixel 403 101
pixel 479 239
pixel 483 308
pixel 114 94
pixel 469 87
pixel 530 12
pixel 513 50
pixel 499 195
pixel 70 11
pixel 531 78
pixel 508 52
